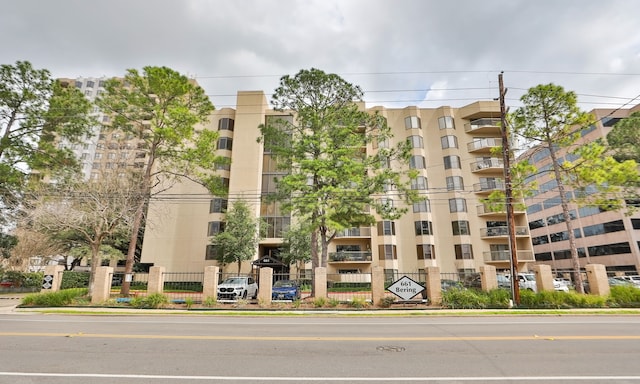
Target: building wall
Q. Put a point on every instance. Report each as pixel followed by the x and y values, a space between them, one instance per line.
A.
pixel 544 225
pixel 176 236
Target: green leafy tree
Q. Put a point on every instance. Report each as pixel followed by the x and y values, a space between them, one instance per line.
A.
pixel 242 233
pixel 624 138
pixel 162 108
pixel 551 119
pixel 296 247
pixel 35 112
pixel 329 178
pixel 93 212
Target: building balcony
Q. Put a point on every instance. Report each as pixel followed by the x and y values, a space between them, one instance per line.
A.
pixel 492 165
pixel 523 256
pixel 486 125
pixel 486 187
pixel 354 232
pixel 493 232
pixel 350 257
pixel 497 210
pixel 484 145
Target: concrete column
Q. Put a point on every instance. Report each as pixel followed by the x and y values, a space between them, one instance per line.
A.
pixel 377 284
pixel 266 286
pixel 544 277
pixel 320 284
pixel 210 282
pixel 488 279
pixel 156 280
pixel 52 278
pixel 598 280
pixel 101 285
pixel 434 289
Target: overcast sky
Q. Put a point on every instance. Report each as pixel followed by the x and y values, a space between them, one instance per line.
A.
pixel 402 52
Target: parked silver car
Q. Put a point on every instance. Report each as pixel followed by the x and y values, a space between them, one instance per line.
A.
pixel 238 287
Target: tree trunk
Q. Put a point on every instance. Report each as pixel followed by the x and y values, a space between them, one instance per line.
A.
pixel 314 261
pixel 575 261
pixel 95 262
pixel 131 253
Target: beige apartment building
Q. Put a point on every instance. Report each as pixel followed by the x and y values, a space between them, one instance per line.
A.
pixel 610 238
pixel 451 229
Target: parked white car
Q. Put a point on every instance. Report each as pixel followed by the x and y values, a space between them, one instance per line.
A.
pixel 238 287
pixel 528 281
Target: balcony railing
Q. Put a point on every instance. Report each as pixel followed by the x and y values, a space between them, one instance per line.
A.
pixel 349 256
pixel 493 164
pixel 496 209
pixel 505 256
pixel 489 186
pixel 355 232
pixel 483 125
pixel 484 145
pixel 503 231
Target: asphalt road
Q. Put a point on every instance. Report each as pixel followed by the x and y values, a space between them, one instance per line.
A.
pixel 97 349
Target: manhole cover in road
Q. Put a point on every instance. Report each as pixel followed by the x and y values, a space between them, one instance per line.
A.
pixel 390 348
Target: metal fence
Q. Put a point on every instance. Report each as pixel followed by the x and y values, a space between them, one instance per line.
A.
pixel 183 286
pixel 345 287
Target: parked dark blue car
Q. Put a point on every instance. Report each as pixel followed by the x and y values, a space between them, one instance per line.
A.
pixel 285 290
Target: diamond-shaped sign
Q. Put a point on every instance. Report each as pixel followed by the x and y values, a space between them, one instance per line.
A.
pixel 405 288
pixel 47 282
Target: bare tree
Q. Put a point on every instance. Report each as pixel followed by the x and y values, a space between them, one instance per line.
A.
pixel 93 211
pixel 31 244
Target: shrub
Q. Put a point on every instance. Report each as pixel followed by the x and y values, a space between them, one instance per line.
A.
pixel 332 303
pixel 55 299
pixel 386 301
pixel 358 302
pixel 188 302
pixel 319 302
pixel 155 300
pixel 73 279
pixel 498 298
pixel 624 296
pixel 210 301
pixel 461 298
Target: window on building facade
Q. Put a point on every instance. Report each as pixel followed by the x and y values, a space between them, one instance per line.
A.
pixel 386 228
pixel 387 252
pixel 417 162
pixel 455 183
pixel 95 165
pixel 460 227
pixel 452 162
pixel 218 205
pixel 446 122
pixel 225 143
pixel 423 227
pixel 422 206
pixel 449 141
pixel 609 249
pixel 412 122
pixel 276 226
pixel 426 251
pixel 463 251
pixel 537 224
pixel 419 183
pixel 543 256
pixel 97 156
pixel 602 228
pixel 416 141
pixel 226 124
pixel 457 205
pixel 212 252
pixel 544 239
pixel 215 227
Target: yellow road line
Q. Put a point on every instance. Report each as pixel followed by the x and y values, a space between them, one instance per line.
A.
pixel 322 338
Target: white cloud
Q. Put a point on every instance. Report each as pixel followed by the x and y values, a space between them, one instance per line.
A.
pixel 400 52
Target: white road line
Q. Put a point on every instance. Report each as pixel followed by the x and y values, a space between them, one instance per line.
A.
pixel 337 379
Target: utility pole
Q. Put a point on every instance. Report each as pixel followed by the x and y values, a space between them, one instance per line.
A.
pixel 511 230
